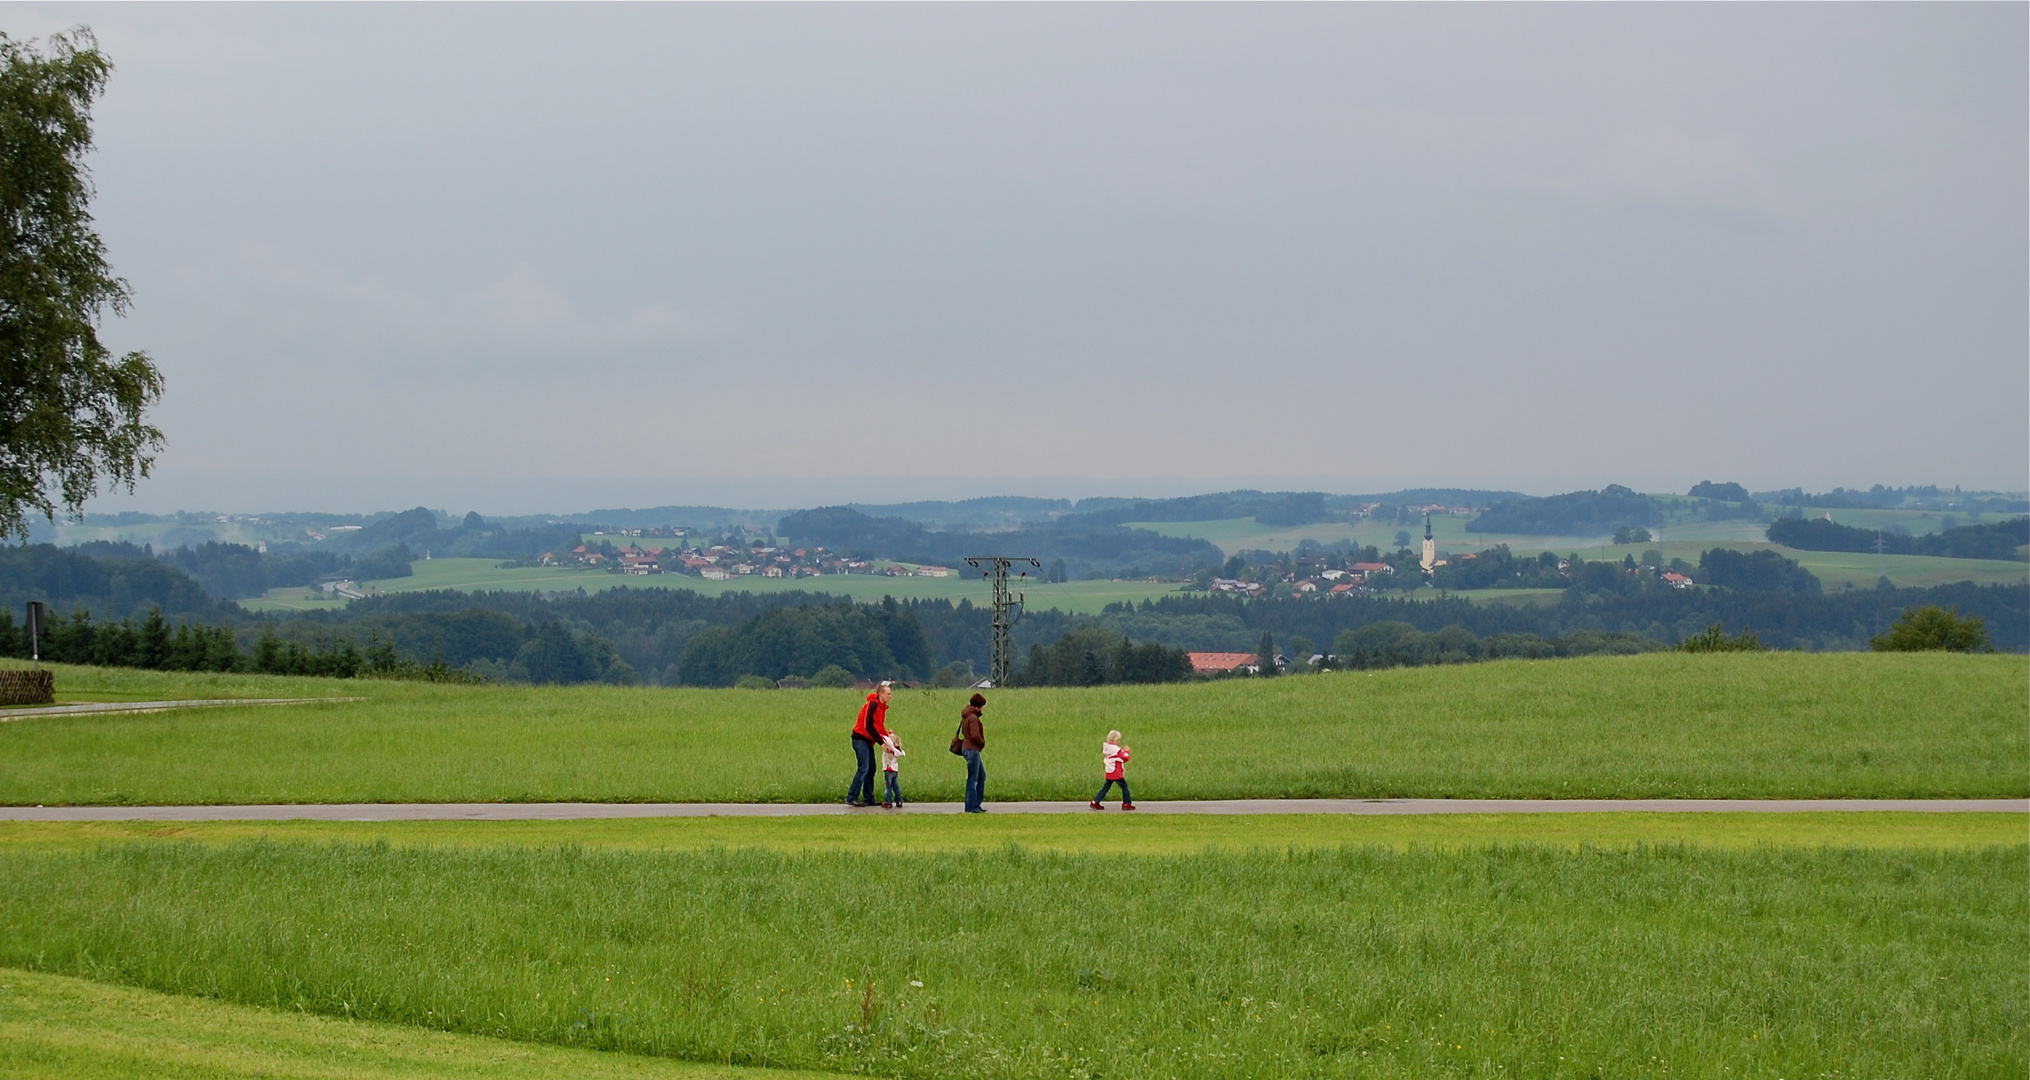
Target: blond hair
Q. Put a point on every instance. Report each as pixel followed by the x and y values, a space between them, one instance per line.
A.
pixel 1113 736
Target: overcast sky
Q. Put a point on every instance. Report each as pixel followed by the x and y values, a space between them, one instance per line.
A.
pixel 525 258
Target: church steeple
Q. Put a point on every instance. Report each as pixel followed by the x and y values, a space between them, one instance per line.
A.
pixel 1430 560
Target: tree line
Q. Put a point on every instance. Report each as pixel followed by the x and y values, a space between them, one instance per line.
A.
pixel 1995 540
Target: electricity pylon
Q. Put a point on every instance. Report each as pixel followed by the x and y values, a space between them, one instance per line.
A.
pixel 996 567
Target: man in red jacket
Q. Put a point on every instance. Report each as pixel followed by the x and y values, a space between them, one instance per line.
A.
pixel 868 731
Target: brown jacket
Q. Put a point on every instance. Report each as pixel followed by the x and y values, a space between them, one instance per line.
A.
pixel 970 729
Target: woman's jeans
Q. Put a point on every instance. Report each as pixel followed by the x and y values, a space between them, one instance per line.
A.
pixel 1123 781
pixel 864 776
pixel 976 780
pixel 894 792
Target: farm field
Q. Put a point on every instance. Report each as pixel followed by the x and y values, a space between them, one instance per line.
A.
pixel 1659 725
pixel 54 1027
pixel 479 575
pixel 1631 961
pixel 1842 569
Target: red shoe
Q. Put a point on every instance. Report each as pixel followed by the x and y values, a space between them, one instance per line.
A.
pixel 888 806
pixel 1127 806
pixel 1096 806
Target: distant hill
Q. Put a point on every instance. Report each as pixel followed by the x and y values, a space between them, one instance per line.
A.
pixel 113 587
pixel 1576 513
pixel 1083 545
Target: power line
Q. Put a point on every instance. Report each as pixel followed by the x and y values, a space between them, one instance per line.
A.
pixel 996 568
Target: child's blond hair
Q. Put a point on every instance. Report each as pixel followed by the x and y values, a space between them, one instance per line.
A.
pixel 1113 736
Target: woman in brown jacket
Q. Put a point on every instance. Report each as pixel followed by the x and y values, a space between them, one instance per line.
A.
pixel 973 738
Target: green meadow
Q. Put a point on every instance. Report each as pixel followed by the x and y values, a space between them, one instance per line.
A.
pixel 1840 569
pixel 56 1027
pixel 1633 961
pixel 481 575
pixel 1774 725
pixel 1017 946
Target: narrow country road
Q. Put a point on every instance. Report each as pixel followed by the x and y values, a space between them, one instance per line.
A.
pixel 591 811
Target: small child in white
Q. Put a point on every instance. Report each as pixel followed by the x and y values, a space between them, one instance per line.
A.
pixel 891 749
pixel 1115 757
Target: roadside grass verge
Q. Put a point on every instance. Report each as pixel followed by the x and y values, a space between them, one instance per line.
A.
pixel 1099 834
pixel 1775 725
pixel 1666 960
pixel 58 1028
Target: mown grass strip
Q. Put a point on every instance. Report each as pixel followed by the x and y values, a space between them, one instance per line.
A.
pixel 1101 833
pixel 1664 725
pixel 57 1028
pixel 1634 962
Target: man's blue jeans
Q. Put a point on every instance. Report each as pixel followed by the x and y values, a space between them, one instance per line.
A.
pixel 864 776
pixel 1125 797
pixel 976 779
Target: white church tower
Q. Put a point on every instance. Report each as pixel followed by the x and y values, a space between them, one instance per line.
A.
pixel 1430 562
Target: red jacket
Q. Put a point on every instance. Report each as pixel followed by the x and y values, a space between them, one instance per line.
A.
pixel 873 722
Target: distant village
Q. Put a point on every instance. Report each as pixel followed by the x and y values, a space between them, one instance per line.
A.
pixel 724 562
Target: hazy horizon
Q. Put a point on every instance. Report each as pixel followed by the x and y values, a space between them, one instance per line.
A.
pixel 528 258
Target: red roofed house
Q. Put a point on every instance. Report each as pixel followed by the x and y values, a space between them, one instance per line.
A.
pixel 1224 663
pixel 1677 580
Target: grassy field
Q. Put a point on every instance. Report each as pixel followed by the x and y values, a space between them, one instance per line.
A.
pixel 1644 961
pixel 1841 569
pixel 53 1027
pixel 478 575
pixel 1666 724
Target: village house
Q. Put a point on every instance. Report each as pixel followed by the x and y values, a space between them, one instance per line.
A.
pixel 1676 580
pixel 1225 663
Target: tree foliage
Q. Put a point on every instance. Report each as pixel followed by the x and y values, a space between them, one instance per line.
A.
pixel 1577 513
pixel 1996 540
pixel 1730 492
pixel 1758 571
pixel 1714 639
pixel 1934 629
pixel 70 412
pixel 1095 656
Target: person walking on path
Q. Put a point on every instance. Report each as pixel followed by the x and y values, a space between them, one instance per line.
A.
pixel 891 749
pixel 868 731
pixel 1115 757
pixel 972 740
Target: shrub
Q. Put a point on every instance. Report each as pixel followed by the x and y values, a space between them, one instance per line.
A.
pixel 1715 639
pixel 754 682
pixel 1934 629
pixel 832 677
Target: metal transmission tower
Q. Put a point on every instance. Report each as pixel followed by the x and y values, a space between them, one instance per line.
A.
pixel 996 567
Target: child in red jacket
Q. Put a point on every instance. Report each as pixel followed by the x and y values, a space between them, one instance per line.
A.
pixel 1115 757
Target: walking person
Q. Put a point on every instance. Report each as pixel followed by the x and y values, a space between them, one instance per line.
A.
pixel 891 749
pixel 868 731
pixel 1115 757
pixel 972 740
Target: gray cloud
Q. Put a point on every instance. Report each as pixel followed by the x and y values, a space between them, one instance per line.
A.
pixel 809 250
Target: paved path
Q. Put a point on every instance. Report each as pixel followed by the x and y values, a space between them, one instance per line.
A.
pixel 155 706
pixel 588 811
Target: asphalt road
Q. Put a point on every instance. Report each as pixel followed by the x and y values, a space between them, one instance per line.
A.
pixel 590 811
